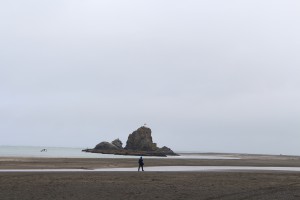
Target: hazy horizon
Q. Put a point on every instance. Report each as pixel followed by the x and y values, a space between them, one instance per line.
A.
pixel 207 76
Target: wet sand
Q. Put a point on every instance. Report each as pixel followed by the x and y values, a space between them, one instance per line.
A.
pixel 256 185
pixel 150 185
pixel 93 163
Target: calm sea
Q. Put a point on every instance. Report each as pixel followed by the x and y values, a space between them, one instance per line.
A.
pixel 67 152
pixel 52 152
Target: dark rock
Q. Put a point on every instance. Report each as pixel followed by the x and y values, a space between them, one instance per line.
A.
pixel 106 146
pixel 141 140
pixel 166 150
pixel 126 152
pixel 118 143
pixel 139 143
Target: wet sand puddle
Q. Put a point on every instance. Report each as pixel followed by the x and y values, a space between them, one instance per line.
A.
pixel 164 169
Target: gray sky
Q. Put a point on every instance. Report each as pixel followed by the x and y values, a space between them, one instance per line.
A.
pixel 213 75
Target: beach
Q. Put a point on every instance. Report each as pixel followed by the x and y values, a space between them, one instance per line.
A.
pixel 246 184
pixel 150 185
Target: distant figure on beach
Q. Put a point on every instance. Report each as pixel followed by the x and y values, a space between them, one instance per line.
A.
pixel 44 150
pixel 141 163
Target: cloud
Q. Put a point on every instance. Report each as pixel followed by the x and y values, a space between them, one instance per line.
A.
pixel 220 76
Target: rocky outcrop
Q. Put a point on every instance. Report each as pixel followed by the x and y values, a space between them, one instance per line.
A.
pixel 166 150
pixel 141 140
pixel 106 146
pixel 139 143
pixel 118 143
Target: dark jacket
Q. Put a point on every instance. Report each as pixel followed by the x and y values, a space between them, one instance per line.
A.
pixel 141 162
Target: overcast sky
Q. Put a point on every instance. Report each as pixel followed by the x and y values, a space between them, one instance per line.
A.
pixel 209 76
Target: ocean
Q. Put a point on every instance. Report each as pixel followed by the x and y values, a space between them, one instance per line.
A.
pixel 69 152
pixel 52 152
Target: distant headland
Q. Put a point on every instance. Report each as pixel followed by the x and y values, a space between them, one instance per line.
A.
pixel 139 143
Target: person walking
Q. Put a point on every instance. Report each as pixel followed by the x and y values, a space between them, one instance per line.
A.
pixel 141 163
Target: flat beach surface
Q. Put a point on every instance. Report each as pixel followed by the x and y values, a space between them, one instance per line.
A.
pixel 149 185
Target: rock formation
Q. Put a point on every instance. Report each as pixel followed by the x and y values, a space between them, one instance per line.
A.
pixel 106 146
pixel 166 150
pixel 141 140
pixel 139 143
pixel 118 143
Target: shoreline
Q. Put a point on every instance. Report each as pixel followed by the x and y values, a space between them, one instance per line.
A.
pixel 94 163
pixel 76 179
pixel 165 169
